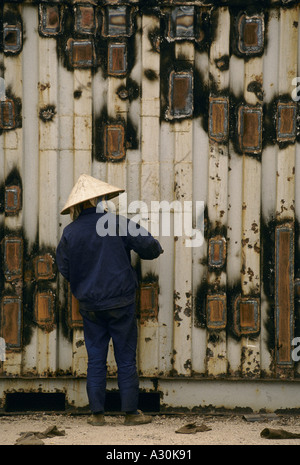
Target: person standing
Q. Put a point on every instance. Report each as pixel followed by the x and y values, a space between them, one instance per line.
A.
pixel 96 262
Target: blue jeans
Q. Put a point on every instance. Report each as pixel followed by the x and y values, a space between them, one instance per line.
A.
pixel 120 325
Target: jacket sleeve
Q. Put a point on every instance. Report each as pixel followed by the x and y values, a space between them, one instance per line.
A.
pixel 141 241
pixel 62 257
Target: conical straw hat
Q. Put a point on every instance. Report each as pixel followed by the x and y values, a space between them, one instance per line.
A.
pixel 87 188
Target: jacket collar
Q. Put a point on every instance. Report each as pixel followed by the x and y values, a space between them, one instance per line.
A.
pixel 87 211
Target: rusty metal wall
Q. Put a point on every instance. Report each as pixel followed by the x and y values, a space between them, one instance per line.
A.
pixel 173 101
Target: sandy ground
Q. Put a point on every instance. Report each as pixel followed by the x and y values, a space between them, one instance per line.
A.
pixel 225 430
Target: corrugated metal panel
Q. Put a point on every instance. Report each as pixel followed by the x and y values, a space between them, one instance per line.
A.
pixel 175 102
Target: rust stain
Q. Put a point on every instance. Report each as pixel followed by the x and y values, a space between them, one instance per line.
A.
pixel 216 311
pixel 255 227
pixel 11 322
pixel 148 302
pixel 114 142
pixel 217 251
pixel 47 113
pixel 43 87
pixel 44 267
pixel 218 119
pixel 13 257
pixel 44 310
pixel 250 128
pixel 284 292
pixel 177 308
pixel 13 199
pixel 246 316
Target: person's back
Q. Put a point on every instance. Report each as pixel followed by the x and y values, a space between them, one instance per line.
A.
pixel 98 267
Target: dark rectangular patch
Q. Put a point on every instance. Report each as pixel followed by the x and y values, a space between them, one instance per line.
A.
pixel 284 293
pixel 148 302
pixel 180 94
pixel 11 322
pixel 181 23
pixel 13 257
pixel 12 200
pixel 250 37
pixel 43 267
pixel 247 316
pixel 50 20
pixel 12 37
pixel 85 19
pixel 286 121
pixel 250 129
pixel 117 59
pixel 114 141
pixel 7 114
pixel 217 251
pixel 81 53
pixel 118 21
pixel 218 119
pixel 216 312
pixel 44 309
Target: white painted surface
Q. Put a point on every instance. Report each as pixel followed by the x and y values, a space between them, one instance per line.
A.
pixel 173 160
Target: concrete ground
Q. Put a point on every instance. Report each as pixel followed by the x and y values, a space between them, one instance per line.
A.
pixel 227 429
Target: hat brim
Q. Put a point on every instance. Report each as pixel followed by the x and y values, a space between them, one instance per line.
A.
pixel 66 210
pixel 87 188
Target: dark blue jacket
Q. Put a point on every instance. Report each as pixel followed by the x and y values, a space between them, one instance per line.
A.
pixel 99 267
